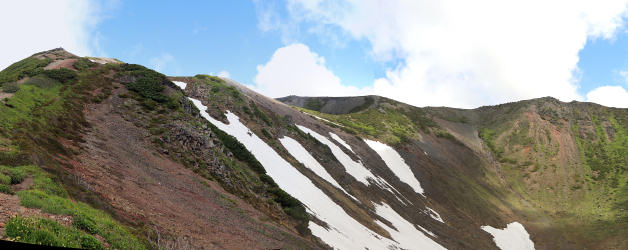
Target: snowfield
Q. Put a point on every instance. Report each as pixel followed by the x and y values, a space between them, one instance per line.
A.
pixel 181 85
pixel 396 164
pixel 355 169
pixel 344 232
pixel 513 237
pixel 406 234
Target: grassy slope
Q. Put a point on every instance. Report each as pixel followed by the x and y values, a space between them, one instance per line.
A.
pixel 561 159
pixel 33 120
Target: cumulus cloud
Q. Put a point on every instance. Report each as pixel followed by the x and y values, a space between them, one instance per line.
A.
pixel 467 53
pixel 295 70
pixel 30 26
pixel 610 96
pixel 159 63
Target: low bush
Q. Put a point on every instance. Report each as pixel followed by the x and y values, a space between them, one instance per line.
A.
pixel 62 75
pixel 42 81
pixel 4 188
pixel 148 83
pixel 10 87
pixel 17 175
pixel 83 64
pixel 5 179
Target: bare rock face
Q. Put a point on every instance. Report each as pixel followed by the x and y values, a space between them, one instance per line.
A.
pixel 331 105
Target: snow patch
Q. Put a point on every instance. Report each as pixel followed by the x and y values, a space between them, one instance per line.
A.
pixel 355 169
pixel 513 237
pixel 341 141
pixel 396 164
pixel 406 234
pixel 301 154
pixel 181 85
pixel 427 231
pixel 434 214
pixel 344 232
pixel 97 61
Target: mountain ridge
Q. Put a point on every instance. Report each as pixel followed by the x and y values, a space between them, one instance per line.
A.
pixel 210 152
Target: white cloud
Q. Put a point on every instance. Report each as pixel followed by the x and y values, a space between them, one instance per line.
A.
pixel 610 96
pixel 160 62
pixel 30 26
pixel 295 70
pixel 467 53
pixel 224 74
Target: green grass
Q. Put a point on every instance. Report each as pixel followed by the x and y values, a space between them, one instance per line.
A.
pixel 389 125
pixel 50 197
pixel 27 67
pixel 48 232
pixel 84 64
pixel 62 75
pixel 14 174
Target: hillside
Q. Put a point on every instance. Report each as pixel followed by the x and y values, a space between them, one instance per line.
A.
pixel 97 153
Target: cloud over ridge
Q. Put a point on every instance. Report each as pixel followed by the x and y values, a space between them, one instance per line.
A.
pixel 467 53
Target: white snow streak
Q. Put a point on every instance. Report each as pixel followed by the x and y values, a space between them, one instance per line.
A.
pixel 355 169
pixel 301 154
pixel 396 164
pixel 341 141
pixel 406 234
pixel 434 214
pixel 323 119
pixel 181 85
pixel 345 232
pixel 513 237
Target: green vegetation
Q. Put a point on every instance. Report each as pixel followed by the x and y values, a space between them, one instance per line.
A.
pixel 220 91
pixel 41 81
pixel 260 114
pixel 489 136
pixel 62 75
pixel 10 87
pixel 48 232
pixel 46 107
pixel 148 83
pixel 83 64
pixel 390 125
pixel 444 134
pixel 28 67
pixel 50 197
pixel 15 175
pixel 606 156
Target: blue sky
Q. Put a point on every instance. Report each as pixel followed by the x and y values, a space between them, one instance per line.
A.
pixel 452 53
pixel 212 36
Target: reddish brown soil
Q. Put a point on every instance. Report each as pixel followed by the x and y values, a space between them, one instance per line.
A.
pixel 65 63
pixel 143 186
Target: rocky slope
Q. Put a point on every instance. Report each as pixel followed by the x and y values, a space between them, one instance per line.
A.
pixel 130 158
